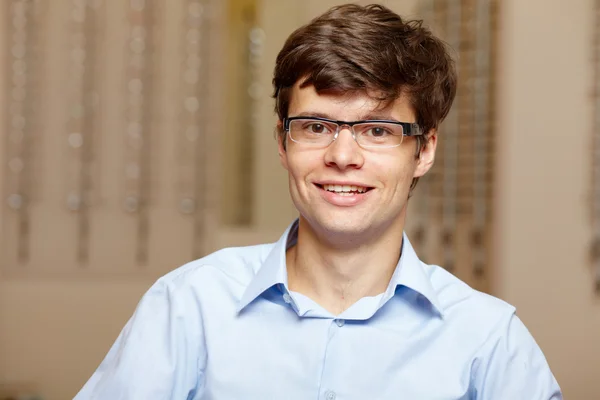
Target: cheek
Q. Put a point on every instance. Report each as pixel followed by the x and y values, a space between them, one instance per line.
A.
pixel 294 166
pixel 299 170
pixel 395 171
pixel 302 164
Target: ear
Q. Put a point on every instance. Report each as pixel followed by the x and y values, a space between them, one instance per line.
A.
pixel 427 155
pixel 280 145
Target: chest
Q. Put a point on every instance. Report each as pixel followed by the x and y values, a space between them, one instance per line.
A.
pixel 309 358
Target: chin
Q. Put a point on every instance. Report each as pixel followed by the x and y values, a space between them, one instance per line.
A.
pixel 341 226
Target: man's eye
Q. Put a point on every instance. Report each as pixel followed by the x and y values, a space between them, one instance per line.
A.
pixel 316 128
pixel 377 131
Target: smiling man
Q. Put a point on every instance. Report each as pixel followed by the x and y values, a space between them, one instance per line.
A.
pixel 340 307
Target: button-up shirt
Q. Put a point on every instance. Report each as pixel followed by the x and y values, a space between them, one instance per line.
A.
pixel 228 327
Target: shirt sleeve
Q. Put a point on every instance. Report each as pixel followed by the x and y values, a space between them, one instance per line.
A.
pixel 156 355
pixel 512 366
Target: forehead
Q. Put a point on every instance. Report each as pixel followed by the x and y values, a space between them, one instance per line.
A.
pixel 348 106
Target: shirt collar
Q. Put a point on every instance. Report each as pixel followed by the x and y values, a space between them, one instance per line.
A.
pixel 273 269
pixel 409 272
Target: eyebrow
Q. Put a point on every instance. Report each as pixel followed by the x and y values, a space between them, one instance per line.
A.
pixel 366 117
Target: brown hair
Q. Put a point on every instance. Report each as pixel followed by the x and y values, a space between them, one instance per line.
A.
pixel 372 49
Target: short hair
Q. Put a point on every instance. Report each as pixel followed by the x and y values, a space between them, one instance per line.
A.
pixel 353 48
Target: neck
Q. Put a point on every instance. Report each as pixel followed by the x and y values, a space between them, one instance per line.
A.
pixel 336 275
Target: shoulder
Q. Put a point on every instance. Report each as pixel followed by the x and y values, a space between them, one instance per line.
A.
pixel 507 361
pixel 478 314
pixel 230 267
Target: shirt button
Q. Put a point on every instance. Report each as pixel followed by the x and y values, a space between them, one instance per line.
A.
pixel 287 298
pixel 340 322
pixel 329 395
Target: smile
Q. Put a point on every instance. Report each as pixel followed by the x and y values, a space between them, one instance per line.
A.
pixel 345 190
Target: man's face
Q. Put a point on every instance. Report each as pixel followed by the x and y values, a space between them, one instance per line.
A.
pixel 383 175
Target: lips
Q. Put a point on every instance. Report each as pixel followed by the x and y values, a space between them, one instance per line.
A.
pixel 342 188
pixel 344 194
pixel 345 189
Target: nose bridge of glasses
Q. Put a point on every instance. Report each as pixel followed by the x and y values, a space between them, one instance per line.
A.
pixel 345 126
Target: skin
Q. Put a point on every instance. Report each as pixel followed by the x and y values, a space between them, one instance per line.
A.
pixel 348 248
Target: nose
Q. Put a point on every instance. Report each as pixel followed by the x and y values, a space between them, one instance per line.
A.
pixel 344 152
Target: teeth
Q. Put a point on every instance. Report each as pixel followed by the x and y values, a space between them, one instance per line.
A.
pixel 344 189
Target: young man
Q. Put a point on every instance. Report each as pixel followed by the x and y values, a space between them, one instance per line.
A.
pixel 340 307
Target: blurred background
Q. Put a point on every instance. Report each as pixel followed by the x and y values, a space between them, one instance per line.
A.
pixel 137 135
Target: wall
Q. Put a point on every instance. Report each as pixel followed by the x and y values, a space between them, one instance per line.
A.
pixel 544 129
pixel 55 331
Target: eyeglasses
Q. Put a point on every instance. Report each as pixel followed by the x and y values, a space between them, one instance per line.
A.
pixel 321 132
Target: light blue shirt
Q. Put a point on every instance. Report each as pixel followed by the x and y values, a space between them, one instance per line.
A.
pixel 227 327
